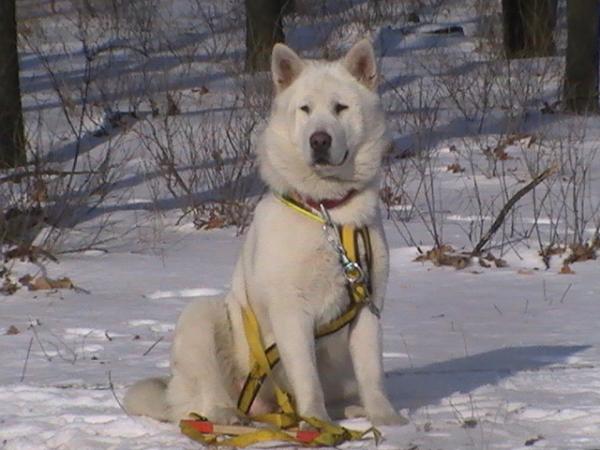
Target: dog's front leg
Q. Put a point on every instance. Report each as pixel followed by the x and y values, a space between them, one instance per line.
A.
pixel 365 348
pixel 294 335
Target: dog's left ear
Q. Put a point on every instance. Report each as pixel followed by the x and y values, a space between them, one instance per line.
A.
pixel 360 62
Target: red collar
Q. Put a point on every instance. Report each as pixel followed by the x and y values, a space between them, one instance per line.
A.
pixel 328 203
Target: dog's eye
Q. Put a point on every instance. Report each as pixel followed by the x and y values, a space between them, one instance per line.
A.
pixel 339 107
pixel 306 109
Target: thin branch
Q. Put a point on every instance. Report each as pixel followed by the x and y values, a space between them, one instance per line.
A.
pixel 562 299
pixel 508 206
pixel 26 360
pixel 37 338
pixel 153 345
pixel 112 390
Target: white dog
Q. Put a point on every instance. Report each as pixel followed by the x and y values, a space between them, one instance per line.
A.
pixel 323 143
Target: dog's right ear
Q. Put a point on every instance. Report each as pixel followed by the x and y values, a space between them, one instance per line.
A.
pixel 286 65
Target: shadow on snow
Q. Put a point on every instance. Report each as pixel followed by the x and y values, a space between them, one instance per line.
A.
pixel 416 387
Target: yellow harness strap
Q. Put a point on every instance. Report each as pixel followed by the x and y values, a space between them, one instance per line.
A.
pixel 296 206
pixel 263 360
pixel 327 434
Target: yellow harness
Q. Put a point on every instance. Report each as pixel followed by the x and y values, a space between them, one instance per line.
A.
pixel 263 360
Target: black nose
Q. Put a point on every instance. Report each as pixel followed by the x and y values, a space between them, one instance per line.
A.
pixel 320 142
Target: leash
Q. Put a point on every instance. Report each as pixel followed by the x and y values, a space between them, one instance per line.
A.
pixel 282 426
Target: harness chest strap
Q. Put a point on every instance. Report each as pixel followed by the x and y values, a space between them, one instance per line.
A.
pixel 262 365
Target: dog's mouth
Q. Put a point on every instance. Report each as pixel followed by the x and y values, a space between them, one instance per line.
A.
pixel 324 165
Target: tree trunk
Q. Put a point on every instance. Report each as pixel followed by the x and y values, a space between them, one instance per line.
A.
pixel 263 29
pixel 528 27
pixel 581 76
pixel 12 137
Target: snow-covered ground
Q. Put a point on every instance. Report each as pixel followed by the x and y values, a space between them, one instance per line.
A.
pixel 479 358
pixel 476 358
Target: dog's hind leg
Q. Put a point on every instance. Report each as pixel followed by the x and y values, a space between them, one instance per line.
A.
pixel 201 364
pixel 147 398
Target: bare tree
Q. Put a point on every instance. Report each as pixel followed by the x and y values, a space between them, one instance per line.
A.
pixel 581 76
pixel 12 137
pixel 264 28
pixel 528 27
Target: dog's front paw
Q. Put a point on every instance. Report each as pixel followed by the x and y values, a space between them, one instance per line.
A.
pixel 354 411
pixel 389 419
pixel 320 416
pixel 225 416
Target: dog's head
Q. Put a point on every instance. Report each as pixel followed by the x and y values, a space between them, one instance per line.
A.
pixel 326 134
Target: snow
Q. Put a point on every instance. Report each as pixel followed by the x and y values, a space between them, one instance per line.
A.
pixel 510 351
pixel 501 358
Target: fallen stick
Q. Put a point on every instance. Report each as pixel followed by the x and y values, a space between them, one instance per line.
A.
pixel 509 204
pixel 153 345
pixel 27 359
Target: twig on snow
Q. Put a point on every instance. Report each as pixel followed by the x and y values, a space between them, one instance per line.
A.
pixel 153 345
pixel 26 360
pixel 562 299
pixel 37 338
pixel 508 206
pixel 114 394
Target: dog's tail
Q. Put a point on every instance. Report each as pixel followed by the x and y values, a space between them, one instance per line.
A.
pixel 148 398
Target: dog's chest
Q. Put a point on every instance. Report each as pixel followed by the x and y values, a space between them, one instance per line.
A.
pixel 324 290
pixel 290 264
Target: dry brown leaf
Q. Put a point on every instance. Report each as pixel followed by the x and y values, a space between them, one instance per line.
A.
pixel 12 330
pixel 214 222
pixel 581 252
pixel 501 155
pixel 525 272
pixel 25 279
pixel 498 262
pixel 433 254
pixel 28 252
pixel 566 270
pixel 455 168
pixel 445 256
pixel 499 152
pixel 172 106
pixel 45 283
pixel 389 198
pixel 40 284
pixel 8 287
pixel 552 250
pixel 40 191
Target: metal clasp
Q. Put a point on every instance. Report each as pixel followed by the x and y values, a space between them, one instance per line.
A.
pixel 352 271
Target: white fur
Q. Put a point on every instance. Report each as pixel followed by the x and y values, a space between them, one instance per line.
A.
pixel 287 270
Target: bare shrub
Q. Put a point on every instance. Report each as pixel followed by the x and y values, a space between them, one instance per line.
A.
pixel 73 142
pixel 207 166
pixel 418 110
pixel 567 210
